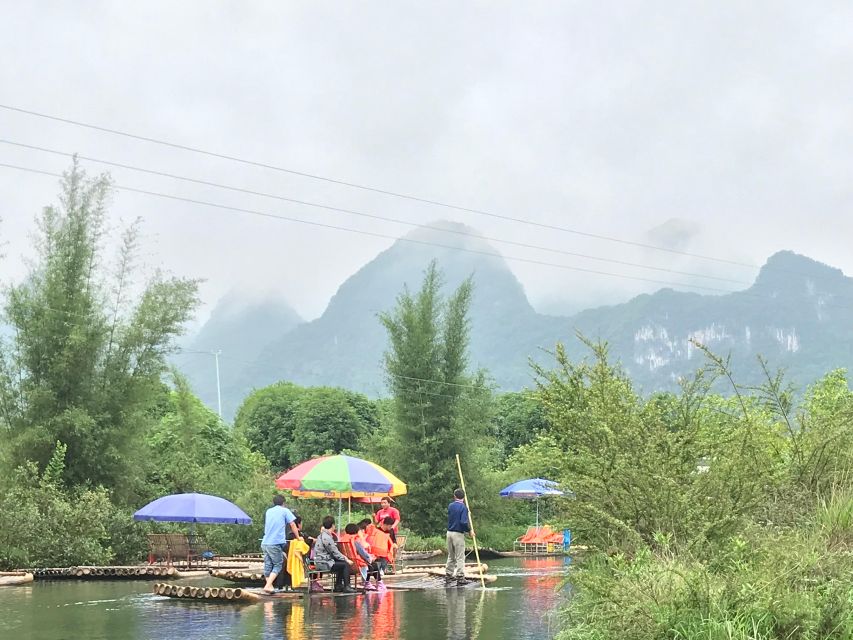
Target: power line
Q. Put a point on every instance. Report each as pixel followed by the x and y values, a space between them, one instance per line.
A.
pixel 274 362
pixel 362 187
pixel 365 214
pixel 265 214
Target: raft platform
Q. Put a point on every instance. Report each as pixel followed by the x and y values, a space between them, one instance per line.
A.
pixel 256 578
pixel 248 595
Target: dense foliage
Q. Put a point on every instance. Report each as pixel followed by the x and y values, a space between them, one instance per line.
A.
pixel 711 517
pixel 288 423
pixel 90 432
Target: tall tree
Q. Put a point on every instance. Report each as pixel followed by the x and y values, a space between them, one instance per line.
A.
pixel 83 366
pixel 426 366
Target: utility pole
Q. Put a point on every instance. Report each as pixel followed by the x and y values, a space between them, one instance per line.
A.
pixel 216 355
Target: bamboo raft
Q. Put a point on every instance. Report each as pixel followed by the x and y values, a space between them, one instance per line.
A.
pixel 420 555
pixel 425 568
pixel 256 578
pixel 105 573
pixel 473 576
pixel 14 578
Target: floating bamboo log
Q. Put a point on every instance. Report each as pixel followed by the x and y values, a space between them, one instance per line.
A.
pixel 205 593
pixel 13 578
pixel 237 576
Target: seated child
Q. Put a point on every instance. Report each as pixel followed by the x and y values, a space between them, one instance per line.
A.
pixel 366 563
pixel 381 544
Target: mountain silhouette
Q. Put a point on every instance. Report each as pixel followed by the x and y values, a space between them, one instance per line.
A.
pixel 798 314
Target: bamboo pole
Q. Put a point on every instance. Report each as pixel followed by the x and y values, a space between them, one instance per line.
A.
pixel 471 521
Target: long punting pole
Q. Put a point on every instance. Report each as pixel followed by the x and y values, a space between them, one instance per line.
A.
pixel 471 521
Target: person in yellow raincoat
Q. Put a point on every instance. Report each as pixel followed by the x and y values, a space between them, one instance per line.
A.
pixel 295 563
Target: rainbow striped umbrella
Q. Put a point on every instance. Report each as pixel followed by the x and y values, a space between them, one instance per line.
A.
pixel 340 477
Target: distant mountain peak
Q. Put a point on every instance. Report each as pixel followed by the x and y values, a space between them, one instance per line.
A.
pixel 790 271
pixel 449 234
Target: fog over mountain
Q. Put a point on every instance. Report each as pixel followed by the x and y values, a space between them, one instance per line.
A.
pixel 797 314
pixel 732 119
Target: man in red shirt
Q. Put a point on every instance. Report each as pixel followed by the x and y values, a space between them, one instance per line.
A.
pixel 387 511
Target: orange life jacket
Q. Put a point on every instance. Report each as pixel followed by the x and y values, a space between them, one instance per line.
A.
pixel 380 544
pixel 347 539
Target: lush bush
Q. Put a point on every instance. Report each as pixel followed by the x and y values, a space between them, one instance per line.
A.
pixel 42 524
pixel 795 584
pixel 713 517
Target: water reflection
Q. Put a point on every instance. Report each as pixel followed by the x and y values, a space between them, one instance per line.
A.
pixel 294 622
pixel 517 609
pixel 457 625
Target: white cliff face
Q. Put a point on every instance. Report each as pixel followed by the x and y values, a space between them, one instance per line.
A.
pixel 655 346
pixel 787 339
pixel 709 336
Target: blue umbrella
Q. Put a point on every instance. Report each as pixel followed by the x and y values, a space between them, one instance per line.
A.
pixel 531 489
pixel 193 507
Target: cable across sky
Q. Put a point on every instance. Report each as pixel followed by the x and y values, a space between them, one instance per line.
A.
pixel 386 192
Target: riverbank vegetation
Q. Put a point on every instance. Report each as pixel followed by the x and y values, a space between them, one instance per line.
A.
pixel 711 516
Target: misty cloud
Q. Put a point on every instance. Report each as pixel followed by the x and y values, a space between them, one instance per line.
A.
pixel 731 119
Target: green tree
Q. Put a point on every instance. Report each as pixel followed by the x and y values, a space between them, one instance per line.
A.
pixel 267 418
pixel 689 466
pixel 84 362
pixel 326 421
pixel 288 423
pixel 426 366
pixel 193 450
pixel 519 417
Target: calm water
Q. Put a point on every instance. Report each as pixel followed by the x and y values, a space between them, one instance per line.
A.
pixel 518 607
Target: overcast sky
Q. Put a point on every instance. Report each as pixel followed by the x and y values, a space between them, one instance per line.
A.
pixel 729 123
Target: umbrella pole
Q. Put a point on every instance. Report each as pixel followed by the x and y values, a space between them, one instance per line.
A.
pixel 349 509
pixel 340 505
pixel 537 513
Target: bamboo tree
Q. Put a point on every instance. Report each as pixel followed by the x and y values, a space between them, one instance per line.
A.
pixel 80 369
pixel 426 366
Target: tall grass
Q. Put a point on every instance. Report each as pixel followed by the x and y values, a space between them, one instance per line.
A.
pixel 795 584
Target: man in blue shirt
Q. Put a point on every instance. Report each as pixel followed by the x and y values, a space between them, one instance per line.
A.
pixel 458 524
pixel 276 520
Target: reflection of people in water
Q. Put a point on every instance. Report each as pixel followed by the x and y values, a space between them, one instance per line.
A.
pixel 385 615
pixel 294 622
pixel 457 628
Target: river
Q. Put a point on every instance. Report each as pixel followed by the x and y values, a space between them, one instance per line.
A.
pixel 520 606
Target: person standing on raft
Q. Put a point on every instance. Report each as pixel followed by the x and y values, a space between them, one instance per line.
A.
pixel 387 511
pixel 276 520
pixel 458 524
